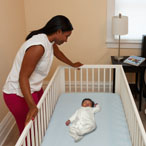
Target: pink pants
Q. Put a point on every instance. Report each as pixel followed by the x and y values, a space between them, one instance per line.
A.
pixel 19 108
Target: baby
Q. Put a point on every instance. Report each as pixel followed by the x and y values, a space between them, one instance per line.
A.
pixel 83 121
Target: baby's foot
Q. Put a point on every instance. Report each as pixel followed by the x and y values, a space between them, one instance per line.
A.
pixel 78 138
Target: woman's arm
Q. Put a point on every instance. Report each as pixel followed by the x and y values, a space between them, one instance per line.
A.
pixel 30 60
pixel 63 58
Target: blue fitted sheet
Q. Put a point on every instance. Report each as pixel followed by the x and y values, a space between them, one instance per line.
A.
pixel 112 129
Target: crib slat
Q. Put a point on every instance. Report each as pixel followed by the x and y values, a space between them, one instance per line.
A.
pixel 50 101
pixel 134 132
pixel 32 134
pixel 75 80
pixel 69 72
pixel 98 79
pixel 24 143
pixel 132 127
pixel 138 134
pixel 81 79
pixel 140 139
pixel 86 79
pixel 53 99
pixel 110 80
pixel 50 104
pixel 47 110
pixel 39 127
pixel 42 123
pixel 136 137
pixel 92 79
pixel 42 119
pixel 44 111
pixel 104 79
pixel 130 116
pixel 36 131
pixel 55 91
pixel 28 138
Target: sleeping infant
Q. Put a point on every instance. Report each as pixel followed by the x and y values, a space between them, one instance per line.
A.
pixel 83 121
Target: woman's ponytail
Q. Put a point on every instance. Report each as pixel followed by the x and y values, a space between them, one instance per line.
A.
pixel 53 25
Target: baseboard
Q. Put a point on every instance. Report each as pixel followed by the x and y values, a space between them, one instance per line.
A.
pixel 6 126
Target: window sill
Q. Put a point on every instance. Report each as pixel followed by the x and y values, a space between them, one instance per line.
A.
pixel 123 44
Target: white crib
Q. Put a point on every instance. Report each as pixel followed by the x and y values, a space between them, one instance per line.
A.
pixel 89 78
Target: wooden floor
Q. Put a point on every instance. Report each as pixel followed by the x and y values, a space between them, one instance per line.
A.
pixel 13 136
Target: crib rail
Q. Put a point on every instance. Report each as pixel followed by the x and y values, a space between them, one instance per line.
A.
pixel 108 79
pixel 34 132
pixel 89 78
pixel 137 132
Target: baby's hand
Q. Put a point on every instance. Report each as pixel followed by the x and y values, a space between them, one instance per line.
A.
pixel 95 104
pixel 67 122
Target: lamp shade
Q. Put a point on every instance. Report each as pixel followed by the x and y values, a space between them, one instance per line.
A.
pixel 120 25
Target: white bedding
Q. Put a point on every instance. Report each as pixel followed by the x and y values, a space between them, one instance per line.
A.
pixel 111 129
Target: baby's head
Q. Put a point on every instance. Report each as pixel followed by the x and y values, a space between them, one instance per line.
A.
pixel 87 102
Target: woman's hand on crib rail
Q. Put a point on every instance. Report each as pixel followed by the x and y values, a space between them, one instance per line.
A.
pixel 60 55
pixel 77 64
pixel 31 114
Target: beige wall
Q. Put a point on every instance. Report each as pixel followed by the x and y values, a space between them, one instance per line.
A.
pixel 86 44
pixel 12 32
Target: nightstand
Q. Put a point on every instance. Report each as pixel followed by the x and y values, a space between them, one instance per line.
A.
pixel 139 70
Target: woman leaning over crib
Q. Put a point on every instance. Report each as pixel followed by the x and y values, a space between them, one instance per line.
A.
pixel 23 87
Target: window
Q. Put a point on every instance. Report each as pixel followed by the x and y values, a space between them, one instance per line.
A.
pixel 135 10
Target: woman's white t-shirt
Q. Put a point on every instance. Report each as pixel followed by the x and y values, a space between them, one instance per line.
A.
pixel 41 71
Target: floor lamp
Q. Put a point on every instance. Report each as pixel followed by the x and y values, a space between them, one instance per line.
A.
pixel 119 27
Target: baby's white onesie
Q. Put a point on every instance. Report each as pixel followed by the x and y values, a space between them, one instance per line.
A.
pixel 83 122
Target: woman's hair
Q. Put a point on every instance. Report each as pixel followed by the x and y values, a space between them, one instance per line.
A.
pixel 89 100
pixel 58 22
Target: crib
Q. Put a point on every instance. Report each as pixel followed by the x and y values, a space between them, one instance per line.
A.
pixel 87 79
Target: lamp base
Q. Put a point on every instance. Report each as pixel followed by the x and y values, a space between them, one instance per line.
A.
pixel 118 58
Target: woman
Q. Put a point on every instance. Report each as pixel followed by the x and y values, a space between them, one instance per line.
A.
pixel 23 87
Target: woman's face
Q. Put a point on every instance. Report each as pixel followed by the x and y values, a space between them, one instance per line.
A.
pixel 87 103
pixel 62 37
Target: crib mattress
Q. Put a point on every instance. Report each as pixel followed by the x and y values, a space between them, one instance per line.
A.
pixel 112 129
